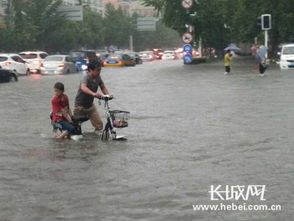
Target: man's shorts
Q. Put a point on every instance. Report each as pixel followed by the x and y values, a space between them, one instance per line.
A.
pixel 92 114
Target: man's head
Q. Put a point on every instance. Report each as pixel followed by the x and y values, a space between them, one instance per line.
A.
pixel 94 68
pixel 58 89
pixel 228 51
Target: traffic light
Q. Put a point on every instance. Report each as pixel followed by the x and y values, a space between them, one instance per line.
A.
pixel 259 22
pixel 266 22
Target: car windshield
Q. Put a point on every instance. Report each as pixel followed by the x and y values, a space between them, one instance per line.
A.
pixel 54 58
pixel 29 55
pixel 78 54
pixel 146 53
pixel 114 56
pixel 3 59
pixel 91 54
pixel 288 50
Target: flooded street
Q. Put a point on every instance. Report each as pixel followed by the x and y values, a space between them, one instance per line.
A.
pixel 191 127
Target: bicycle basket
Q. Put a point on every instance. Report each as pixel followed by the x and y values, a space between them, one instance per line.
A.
pixel 120 118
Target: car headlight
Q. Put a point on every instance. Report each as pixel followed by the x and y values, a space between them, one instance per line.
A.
pixel 84 67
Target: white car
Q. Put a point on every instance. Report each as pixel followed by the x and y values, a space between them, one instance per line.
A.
pixel 147 55
pixel 168 55
pixel 34 59
pixel 58 64
pixel 287 57
pixel 14 63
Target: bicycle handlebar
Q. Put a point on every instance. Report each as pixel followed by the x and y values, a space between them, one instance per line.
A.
pixel 106 97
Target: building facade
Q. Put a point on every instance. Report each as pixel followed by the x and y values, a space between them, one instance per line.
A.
pixel 3 7
pixel 133 7
pixel 94 5
pixel 137 7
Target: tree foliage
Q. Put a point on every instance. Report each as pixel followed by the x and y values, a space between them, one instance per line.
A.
pixel 37 25
pixel 219 22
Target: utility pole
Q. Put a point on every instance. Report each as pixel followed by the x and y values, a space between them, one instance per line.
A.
pixel 131 43
pixel 266 38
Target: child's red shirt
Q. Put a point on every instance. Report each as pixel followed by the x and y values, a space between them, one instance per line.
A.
pixel 59 103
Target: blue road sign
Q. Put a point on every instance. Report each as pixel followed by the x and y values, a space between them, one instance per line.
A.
pixel 188 59
pixel 188 48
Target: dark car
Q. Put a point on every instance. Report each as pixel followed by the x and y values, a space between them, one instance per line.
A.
pixel 137 58
pixel 82 58
pixel 7 76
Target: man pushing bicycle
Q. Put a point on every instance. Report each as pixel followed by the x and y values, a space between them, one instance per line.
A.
pixel 87 92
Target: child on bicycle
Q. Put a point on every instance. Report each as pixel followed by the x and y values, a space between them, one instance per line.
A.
pixel 61 113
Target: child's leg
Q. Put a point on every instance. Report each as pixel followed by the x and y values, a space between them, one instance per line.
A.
pixel 67 129
pixel 62 135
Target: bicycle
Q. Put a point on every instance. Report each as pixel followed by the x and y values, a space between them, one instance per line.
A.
pixel 114 119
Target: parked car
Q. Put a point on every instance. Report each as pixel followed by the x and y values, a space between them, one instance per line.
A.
pixel 147 55
pixel 103 57
pixel 136 57
pixel 179 53
pixel 119 60
pixel 58 64
pixel 169 55
pixel 14 63
pixel 287 57
pixel 7 75
pixel 34 60
pixel 158 53
pixel 82 58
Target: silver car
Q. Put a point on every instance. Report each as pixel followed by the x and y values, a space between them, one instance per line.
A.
pixel 58 64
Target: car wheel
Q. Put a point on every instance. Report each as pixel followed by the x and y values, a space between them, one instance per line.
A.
pixel 13 78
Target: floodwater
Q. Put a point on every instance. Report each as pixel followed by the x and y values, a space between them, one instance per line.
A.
pixel 191 127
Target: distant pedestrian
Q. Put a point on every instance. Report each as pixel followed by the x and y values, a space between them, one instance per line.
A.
pixel 261 59
pixel 256 59
pixel 228 59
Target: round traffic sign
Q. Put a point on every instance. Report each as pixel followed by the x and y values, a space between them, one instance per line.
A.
pixel 187 4
pixel 188 48
pixel 188 59
pixel 187 38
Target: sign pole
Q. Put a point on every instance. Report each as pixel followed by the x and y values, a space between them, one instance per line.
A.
pixel 189 36
pixel 200 46
pixel 131 43
pixel 266 38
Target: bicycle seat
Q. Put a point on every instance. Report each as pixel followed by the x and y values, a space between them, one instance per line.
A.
pixel 80 119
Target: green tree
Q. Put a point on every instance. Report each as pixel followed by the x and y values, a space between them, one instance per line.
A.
pixel 209 21
pixel 219 22
pixel 31 24
pixel 44 17
pixel 117 27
